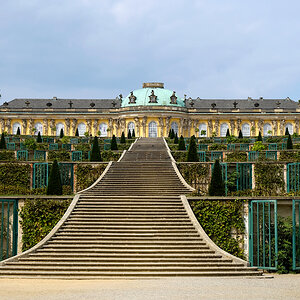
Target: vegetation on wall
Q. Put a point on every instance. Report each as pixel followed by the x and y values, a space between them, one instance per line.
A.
pixel 7 155
pixel 59 155
pixel 38 217
pixel 269 179
pixel 237 156
pixel 290 156
pixel 220 219
pixel 87 174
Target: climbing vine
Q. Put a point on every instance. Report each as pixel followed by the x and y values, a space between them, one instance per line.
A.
pixel 87 174
pixel 223 222
pixel 7 155
pixel 269 179
pixel 38 217
pixel 237 156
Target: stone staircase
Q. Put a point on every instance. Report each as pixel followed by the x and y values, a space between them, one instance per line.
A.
pixel 132 223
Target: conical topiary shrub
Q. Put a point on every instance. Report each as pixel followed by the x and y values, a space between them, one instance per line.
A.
pixel 217 186
pixel 289 143
pixel 287 131
pixel 259 138
pixel 95 154
pixel 227 132
pixel 18 131
pixel 133 133
pixel 176 138
pixel 39 138
pixel 240 134
pixel 172 134
pixel 113 143
pixel 76 133
pixel 181 144
pixel 61 134
pixel 2 142
pixel 54 183
pixel 192 154
pixel 129 135
pixel 122 140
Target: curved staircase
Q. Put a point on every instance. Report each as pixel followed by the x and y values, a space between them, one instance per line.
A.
pixel 132 223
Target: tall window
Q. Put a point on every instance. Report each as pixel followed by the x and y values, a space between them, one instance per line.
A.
pixel 38 128
pixel 153 129
pixel 59 127
pixel 103 129
pixel 15 127
pixel 290 127
pixel 246 129
pixel 81 129
pixel 174 126
pixel 202 130
pixel 267 129
pixel 131 126
pixel 223 129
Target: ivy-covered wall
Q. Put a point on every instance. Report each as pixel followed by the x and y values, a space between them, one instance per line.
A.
pixel 223 222
pixel 38 217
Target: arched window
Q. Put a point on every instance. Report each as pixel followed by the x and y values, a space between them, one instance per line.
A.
pixel 15 127
pixel 174 126
pixel 290 127
pixel 131 126
pixel 59 127
pixel 246 129
pixel 202 130
pixel 223 129
pixel 153 129
pixel 103 129
pixel 81 129
pixel 267 129
pixel 38 128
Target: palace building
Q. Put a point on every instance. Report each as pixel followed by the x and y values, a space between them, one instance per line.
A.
pixel 151 111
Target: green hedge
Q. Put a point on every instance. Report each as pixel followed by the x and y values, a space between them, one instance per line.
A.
pixel 7 155
pixel 38 217
pixel 220 219
pixel 59 155
pixel 236 156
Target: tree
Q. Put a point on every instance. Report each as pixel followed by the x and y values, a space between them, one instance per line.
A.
pixel 289 144
pixel 54 184
pixel 39 138
pixel 176 138
pixel 76 133
pixel 181 144
pixel 216 186
pixel 133 133
pixel 287 131
pixel 172 134
pixel 192 154
pixel 259 138
pixel 227 132
pixel 129 135
pixel 95 154
pixel 18 131
pixel 240 134
pixel 123 141
pixel 113 143
pixel 2 142
pixel 61 135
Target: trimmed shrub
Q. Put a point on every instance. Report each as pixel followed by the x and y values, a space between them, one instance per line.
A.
pixel 76 133
pixel 217 186
pixel 61 135
pixel 176 138
pixel 289 144
pixel 240 134
pixel 18 131
pixel 287 131
pixel 129 135
pixel 133 133
pixel 2 142
pixel 227 132
pixel 113 143
pixel 95 154
pixel 39 138
pixel 172 134
pixel 122 140
pixel 54 184
pixel 181 143
pixel 259 138
pixel 192 155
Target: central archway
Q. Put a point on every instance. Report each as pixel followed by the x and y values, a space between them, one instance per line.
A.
pixel 153 129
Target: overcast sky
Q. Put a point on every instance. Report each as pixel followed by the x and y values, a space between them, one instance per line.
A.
pixel 101 48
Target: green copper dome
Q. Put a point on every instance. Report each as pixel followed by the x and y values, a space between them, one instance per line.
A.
pixel 152 94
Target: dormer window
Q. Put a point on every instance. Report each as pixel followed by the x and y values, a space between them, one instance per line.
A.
pixel 235 104
pixel 132 98
pixel 173 98
pixel 92 104
pixel 152 97
pixel 49 104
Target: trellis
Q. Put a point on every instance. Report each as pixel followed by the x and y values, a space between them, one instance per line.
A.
pixel 22 155
pixel 293 177
pixel 40 175
pixel 39 155
pixel 244 176
pixel 76 155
